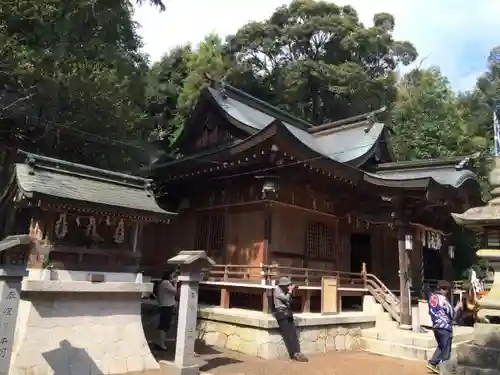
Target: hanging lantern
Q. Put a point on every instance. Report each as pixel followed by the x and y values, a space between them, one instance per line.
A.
pixel 439 242
pixel 91 230
pixel 119 235
pixel 78 222
pixel 423 237
pixel 61 227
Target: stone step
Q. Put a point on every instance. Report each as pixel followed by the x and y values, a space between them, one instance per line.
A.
pixel 487 335
pixel 472 355
pixel 451 367
pixel 398 350
pixel 425 340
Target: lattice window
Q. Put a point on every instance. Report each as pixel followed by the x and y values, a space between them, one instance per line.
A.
pixel 320 241
pixel 210 233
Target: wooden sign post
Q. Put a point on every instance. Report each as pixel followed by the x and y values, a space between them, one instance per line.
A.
pixel 329 295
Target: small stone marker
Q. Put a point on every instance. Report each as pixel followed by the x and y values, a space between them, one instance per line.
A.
pixel 191 264
pixel 10 291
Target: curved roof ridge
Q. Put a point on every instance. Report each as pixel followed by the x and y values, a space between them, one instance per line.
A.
pixel 64 166
pixel 263 106
pixel 427 163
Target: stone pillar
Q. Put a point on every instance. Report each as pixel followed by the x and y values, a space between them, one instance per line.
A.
pixel 10 290
pixel 481 356
pixel 191 265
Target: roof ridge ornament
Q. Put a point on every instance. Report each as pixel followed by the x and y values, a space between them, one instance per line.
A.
pixel 368 116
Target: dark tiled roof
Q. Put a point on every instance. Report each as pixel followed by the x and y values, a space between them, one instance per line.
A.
pixel 65 180
pixel 346 144
pixel 446 171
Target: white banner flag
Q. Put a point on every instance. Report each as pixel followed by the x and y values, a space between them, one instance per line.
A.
pixel 496 130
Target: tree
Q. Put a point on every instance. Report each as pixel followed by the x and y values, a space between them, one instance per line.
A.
pixel 426 119
pixel 71 78
pixel 176 81
pixel 316 60
pixel 164 85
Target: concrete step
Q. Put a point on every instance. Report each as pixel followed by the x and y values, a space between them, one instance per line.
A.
pixel 398 350
pixel 407 344
pixel 384 322
pixel 425 340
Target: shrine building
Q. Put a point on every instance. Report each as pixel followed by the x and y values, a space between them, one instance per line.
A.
pixel 256 186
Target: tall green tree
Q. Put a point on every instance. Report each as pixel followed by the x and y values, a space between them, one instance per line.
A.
pixel 317 60
pixel 176 81
pixel 71 77
pixel 426 119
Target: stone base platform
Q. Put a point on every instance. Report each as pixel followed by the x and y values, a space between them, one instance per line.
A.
pixel 256 333
pixel 399 343
pixel 75 327
pixel 479 357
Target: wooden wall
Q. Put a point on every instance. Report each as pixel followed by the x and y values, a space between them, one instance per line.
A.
pixel 161 241
pixel 245 241
pixel 245 237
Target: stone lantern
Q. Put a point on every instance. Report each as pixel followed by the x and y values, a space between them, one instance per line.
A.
pixel 481 355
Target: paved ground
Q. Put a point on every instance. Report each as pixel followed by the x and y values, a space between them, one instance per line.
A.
pixel 217 362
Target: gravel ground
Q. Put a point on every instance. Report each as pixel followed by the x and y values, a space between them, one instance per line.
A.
pixel 222 362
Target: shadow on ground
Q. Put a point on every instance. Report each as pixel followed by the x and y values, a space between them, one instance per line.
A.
pixel 208 357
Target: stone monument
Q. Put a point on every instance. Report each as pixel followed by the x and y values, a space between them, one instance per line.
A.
pixel 482 355
pixel 191 264
pixel 10 290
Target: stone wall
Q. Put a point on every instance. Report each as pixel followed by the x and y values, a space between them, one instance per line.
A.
pixel 87 333
pixel 257 334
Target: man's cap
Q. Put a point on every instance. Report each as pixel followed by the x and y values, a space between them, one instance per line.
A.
pixel 284 281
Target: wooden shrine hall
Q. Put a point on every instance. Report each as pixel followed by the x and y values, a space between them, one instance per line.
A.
pixel 79 217
pixel 260 188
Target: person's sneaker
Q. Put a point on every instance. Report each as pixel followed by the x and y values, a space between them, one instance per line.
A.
pixel 433 368
pixel 299 357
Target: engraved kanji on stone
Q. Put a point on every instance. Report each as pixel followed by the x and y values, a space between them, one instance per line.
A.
pixel 11 295
pixel 3 352
pixel 7 311
pixel 4 341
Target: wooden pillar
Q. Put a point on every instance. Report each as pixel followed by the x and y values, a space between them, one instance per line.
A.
pixel 225 299
pixel 306 301
pixel 446 265
pixel 404 266
pixel 268 229
pixel 404 280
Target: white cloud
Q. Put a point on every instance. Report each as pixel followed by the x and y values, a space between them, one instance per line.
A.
pixel 453 34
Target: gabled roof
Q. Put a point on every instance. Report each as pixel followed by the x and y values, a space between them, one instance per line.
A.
pixel 342 146
pixel 450 172
pixel 352 143
pixel 43 177
pixel 301 142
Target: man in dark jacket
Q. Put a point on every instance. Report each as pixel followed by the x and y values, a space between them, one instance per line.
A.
pixel 282 299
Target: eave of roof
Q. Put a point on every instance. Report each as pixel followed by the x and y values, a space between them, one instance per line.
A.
pixel 303 143
pixel 42 176
pixel 353 143
pixel 450 172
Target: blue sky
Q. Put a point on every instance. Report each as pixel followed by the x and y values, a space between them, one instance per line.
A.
pixel 455 35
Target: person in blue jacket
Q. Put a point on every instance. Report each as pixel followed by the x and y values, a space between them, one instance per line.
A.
pixel 442 315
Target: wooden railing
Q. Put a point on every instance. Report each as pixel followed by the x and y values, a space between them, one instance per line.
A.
pixel 245 280
pixel 267 274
